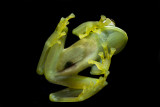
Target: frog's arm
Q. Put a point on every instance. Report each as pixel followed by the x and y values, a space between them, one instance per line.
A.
pixel 85 28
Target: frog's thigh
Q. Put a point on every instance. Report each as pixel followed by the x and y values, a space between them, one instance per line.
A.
pixel 77 88
pixel 66 95
pixel 74 81
pixel 46 50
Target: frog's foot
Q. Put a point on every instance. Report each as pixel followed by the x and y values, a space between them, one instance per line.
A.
pixel 93 88
pixel 75 95
pixel 65 95
pixel 60 31
pixel 88 30
pixel 103 66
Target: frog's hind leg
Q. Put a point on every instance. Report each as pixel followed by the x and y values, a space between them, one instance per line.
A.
pixel 80 88
pixel 65 95
pixel 58 37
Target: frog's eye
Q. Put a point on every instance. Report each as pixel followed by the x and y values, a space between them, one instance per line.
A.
pixel 112 23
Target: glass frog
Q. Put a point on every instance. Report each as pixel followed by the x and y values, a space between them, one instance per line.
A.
pixel 99 41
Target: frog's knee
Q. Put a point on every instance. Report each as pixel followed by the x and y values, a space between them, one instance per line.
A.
pixel 50 77
pixel 40 71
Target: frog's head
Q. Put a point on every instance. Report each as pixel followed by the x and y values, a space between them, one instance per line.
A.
pixel 104 31
pixel 114 37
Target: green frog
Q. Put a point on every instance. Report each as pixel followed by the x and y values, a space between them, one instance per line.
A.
pixel 99 41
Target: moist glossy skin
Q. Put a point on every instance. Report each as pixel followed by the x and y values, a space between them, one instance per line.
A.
pixel 99 41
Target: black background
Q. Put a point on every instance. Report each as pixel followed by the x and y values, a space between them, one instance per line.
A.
pixel 132 72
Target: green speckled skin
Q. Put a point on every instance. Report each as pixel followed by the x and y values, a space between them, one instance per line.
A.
pixel 99 41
